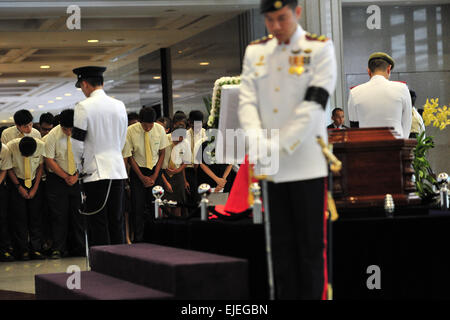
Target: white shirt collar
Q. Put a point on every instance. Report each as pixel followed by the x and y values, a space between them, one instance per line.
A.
pixel 297 34
pixel 293 40
pixel 97 92
pixel 377 78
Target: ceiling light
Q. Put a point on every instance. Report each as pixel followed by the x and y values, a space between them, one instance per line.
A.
pixel 45 67
pixel 79 89
pixel 67 94
pixel 40 106
pixel 156 77
pixel 4 121
pixel 180 52
pixel 50 101
pixel 58 98
pixel 176 96
pixel 204 63
pixel 31 110
pixel 92 41
pixel 21 81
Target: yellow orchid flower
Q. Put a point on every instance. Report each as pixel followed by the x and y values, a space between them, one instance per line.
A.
pixel 433 114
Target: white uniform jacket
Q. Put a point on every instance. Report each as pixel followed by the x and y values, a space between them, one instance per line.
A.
pixel 98 137
pixel 272 96
pixel 381 103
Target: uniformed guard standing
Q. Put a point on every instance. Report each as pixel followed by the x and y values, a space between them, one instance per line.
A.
pixel 98 137
pixel 285 85
pixel 380 102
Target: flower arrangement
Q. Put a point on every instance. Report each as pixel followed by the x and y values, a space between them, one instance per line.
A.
pixel 433 114
pixel 213 119
pixel 424 176
pixel 425 180
pixel 213 107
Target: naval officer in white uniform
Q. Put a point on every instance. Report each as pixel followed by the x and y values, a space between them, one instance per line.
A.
pixel 285 84
pixel 380 102
pixel 98 137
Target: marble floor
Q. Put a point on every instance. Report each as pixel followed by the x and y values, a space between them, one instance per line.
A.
pixel 19 275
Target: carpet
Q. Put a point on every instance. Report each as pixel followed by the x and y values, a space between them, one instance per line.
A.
pixel 14 295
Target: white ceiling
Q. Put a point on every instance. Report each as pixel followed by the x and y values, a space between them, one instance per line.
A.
pixel 34 33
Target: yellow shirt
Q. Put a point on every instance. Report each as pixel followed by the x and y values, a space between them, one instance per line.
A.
pixel 12 133
pixel 17 159
pixel 135 146
pixel 56 147
pixel 5 158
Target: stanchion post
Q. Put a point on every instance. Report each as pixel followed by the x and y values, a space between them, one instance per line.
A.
pixel 158 192
pixel 255 189
pixel 204 191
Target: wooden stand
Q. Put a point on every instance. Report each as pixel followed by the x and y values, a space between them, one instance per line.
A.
pixel 374 163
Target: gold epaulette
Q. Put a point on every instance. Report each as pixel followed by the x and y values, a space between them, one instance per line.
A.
pixel 262 40
pixel 315 37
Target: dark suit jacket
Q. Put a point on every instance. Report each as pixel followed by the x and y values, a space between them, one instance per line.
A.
pixel 331 126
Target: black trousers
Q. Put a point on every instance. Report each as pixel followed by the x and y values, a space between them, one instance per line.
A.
pixel 106 226
pixel 65 220
pixel 5 240
pixel 140 198
pixel 45 213
pixel 26 220
pixel 297 234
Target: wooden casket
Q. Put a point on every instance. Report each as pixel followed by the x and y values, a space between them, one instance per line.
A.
pixel 374 163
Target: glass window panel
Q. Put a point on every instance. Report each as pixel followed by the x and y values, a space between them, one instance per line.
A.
pixel 200 60
pixel 150 87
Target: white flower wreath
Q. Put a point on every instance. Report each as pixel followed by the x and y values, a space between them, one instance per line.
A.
pixel 213 119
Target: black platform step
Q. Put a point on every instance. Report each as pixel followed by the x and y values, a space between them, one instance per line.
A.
pixel 93 286
pixel 184 273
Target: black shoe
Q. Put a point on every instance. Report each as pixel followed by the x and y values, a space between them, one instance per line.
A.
pixel 25 256
pixel 5 256
pixel 56 254
pixel 36 255
pixel 46 246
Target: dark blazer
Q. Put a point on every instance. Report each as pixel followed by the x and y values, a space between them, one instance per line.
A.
pixel 331 126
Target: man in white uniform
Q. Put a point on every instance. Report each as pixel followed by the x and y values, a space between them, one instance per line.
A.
pixel 98 137
pixel 380 102
pixel 285 84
